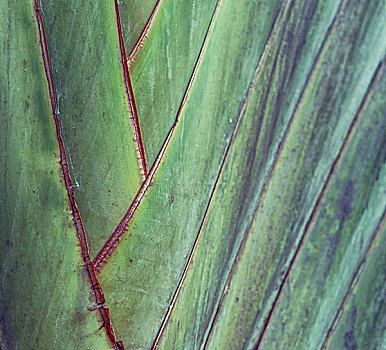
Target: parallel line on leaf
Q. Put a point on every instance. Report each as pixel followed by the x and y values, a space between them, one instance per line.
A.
pixel 268 177
pixel 138 141
pixel 321 196
pixel 113 242
pixel 215 186
pixel 78 224
pixel 354 281
pixel 144 33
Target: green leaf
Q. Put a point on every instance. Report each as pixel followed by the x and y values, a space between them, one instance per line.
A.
pixel 94 111
pixel 161 69
pixel 338 236
pixel 260 222
pixel 44 290
pixel 361 321
pixel 150 259
pixel 320 124
pixel 136 17
pixel 264 118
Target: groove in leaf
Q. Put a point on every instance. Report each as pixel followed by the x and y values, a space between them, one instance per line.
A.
pixel 144 33
pixel 160 71
pixel 136 17
pixel 362 322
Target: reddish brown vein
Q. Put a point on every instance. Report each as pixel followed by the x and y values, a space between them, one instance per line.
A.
pixel 80 232
pixel 208 208
pixel 63 157
pixel 139 148
pixel 321 196
pixel 113 241
pixel 105 316
pixel 144 32
pixel 267 181
pixel 354 282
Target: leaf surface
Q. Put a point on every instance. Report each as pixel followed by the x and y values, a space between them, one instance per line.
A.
pixel 362 321
pixel 262 220
pixel 162 68
pixel 322 119
pixel 339 238
pixel 272 99
pixel 44 290
pixel 94 111
pixel 141 276
pixel 135 16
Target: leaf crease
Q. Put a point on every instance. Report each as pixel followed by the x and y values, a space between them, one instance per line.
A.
pixel 354 281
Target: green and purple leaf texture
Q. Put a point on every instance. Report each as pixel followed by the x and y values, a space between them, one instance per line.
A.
pixel 202 174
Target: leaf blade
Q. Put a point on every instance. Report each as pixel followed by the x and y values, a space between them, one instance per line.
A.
pixel 135 17
pixel 272 99
pixel 318 285
pixel 94 112
pixel 281 223
pixel 145 264
pixel 44 295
